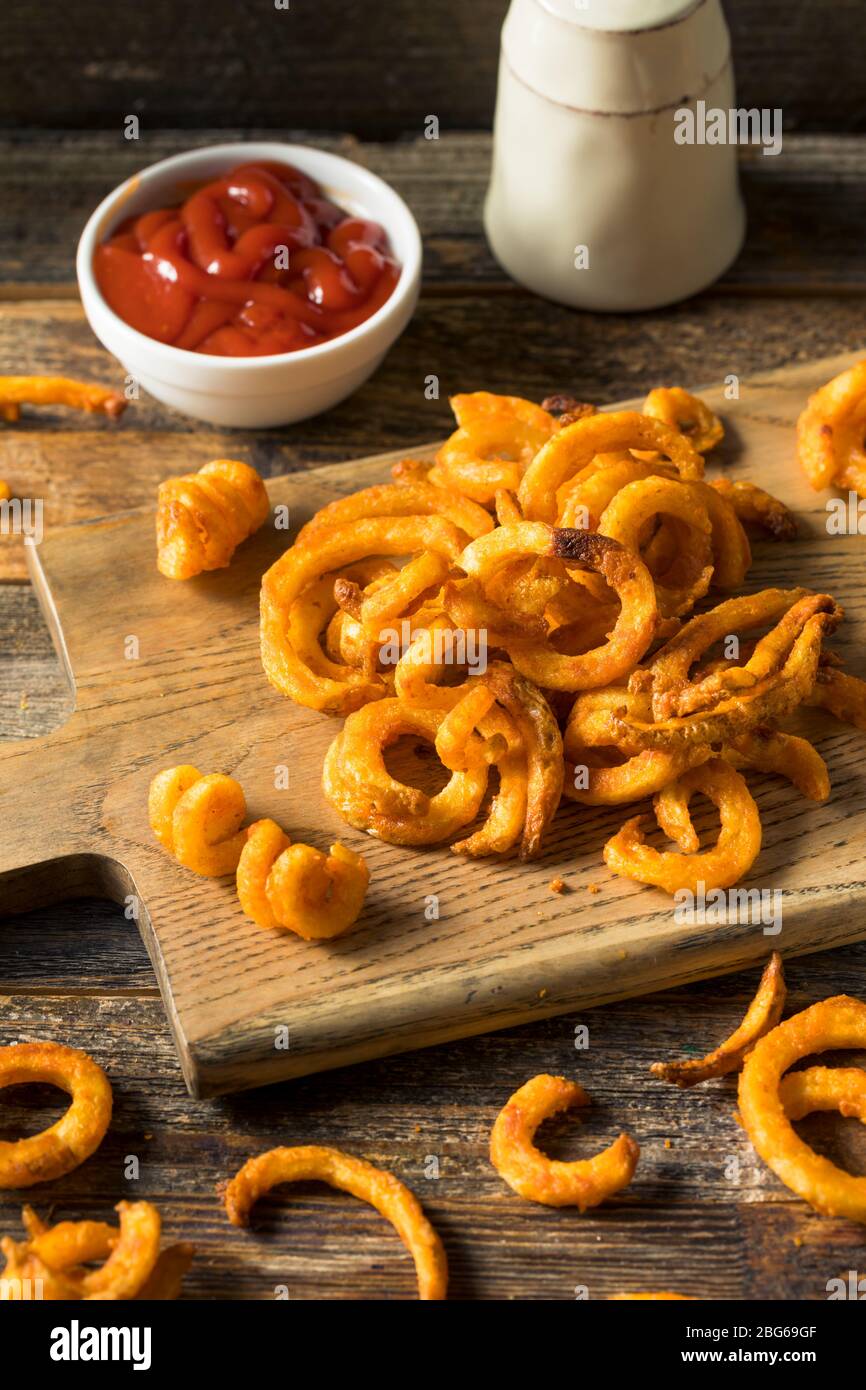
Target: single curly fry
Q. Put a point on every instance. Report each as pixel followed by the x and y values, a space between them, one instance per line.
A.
pixel 72 1243
pixel 768 750
pixel 133 1258
pixel 732 856
pixel 638 503
pixel 297 888
pixel 832 1024
pixel 5 491
pixel 763 1014
pixel 201 518
pixel 757 507
pixel 16 391
pixel 77 1134
pixel 686 413
pixel 574 447
pixel 844 696
pixel 414 497
pixel 358 785
pixel 381 1189
pixel 302 566
pixel 533 1175
pixel 830 433
pixel 198 819
pixel 497 437
pixel 825 1088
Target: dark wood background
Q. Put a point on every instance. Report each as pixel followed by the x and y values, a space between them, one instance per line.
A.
pixel 704 1215
pixel 374 67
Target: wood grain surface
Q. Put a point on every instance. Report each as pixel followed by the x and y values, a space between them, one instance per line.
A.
pixel 375 69
pixel 503 947
pixel 78 972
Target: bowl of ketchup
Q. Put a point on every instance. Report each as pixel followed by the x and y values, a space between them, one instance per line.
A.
pixel 250 284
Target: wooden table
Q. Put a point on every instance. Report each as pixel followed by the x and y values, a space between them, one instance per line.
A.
pixel 704 1215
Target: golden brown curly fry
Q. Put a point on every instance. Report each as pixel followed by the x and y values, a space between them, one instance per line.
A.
pixel 16 391
pixel 297 888
pixel 201 518
pixel 536 1177
pixel 381 1189
pixel 763 1014
pixel 77 1134
pixel 198 819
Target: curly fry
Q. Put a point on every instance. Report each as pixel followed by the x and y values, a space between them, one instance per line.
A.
pixel 824 1088
pixel 198 818
pixel 730 858
pixel 832 1024
pixel 357 783
pixel 297 888
pixel 381 1189
pixel 414 497
pixel 301 566
pixel 538 1178
pixel 639 502
pixel 77 1134
pixel 844 696
pixel 763 1014
pixel 752 504
pixel 686 413
pixel 497 437
pixel 16 391
pixel 830 433
pixel 574 447
pixel 201 518
pixel 643 774
pixel 768 750
pixel 133 1258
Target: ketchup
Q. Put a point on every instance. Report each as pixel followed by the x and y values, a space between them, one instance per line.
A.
pixel 256 262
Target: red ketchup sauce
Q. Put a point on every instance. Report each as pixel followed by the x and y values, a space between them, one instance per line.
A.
pixel 256 262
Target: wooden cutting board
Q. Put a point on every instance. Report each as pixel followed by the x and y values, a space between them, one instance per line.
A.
pixel 167 673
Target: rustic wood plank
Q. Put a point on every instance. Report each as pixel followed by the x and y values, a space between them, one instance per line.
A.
pixel 375 69
pixel 703 1215
pixel 805 206
pixel 504 947
pixel 511 343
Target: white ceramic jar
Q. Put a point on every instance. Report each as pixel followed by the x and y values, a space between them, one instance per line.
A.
pixel 592 201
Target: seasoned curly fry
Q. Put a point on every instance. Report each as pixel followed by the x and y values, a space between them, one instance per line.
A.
pixel 686 413
pixel 763 1014
pixel 198 818
pixel 844 696
pixel 753 505
pixel 572 448
pixel 134 1257
pixel 736 850
pixel 297 888
pixel 358 785
pixel 834 1024
pixel 201 518
pixel 768 750
pixel 381 1189
pixel 824 1088
pixel 301 566
pixel 414 497
pixel 636 504
pixel 77 1134
pixel 16 391
pixel 497 437
pixel 532 1175
pixel 830 433
pixel 601 783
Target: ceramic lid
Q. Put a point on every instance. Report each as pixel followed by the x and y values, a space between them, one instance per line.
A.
pixel 602 56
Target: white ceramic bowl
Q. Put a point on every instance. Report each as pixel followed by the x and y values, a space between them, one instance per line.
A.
pixel 253 392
